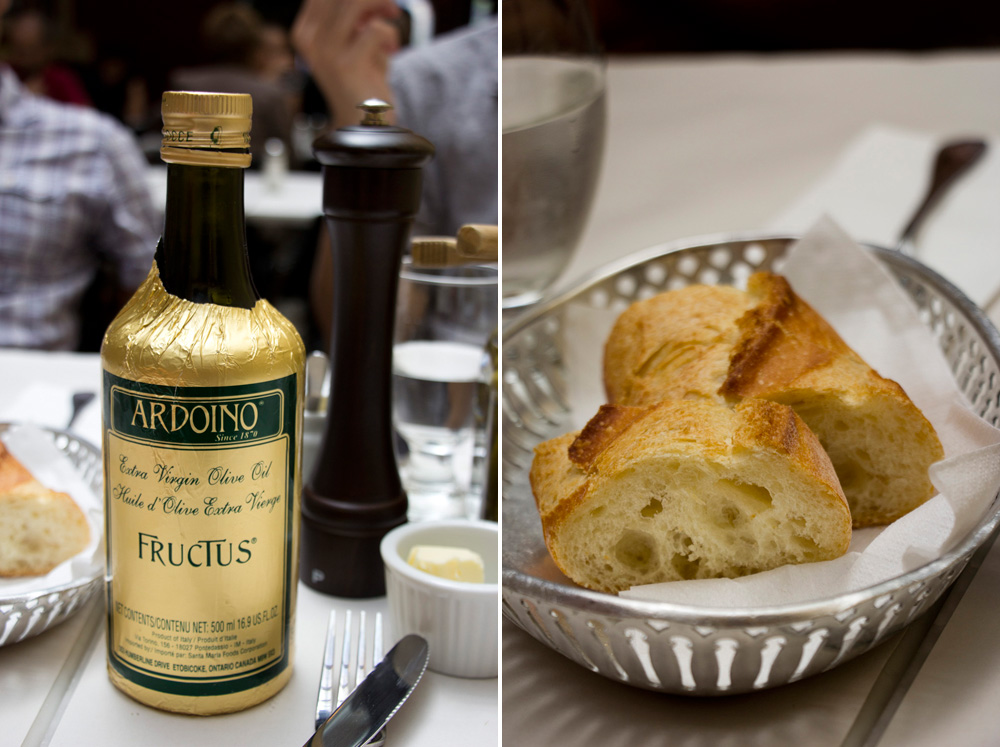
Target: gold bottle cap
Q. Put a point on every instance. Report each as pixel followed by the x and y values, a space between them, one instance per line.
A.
pixel 206 129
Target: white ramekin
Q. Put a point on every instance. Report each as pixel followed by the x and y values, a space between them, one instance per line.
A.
pixel 460 620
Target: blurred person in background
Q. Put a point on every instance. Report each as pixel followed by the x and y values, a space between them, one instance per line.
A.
pixel 446 91
pixel 274 60
pixel 118 88
pixel 73 205
pixel 347 45
pixel 241 59
pixel 30 51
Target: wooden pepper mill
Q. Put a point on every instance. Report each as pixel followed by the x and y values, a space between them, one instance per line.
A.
pixel 372 175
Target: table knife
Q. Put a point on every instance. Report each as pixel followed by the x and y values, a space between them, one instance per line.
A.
pixel 372 703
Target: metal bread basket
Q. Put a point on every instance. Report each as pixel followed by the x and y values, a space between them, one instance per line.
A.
pixel 682 649
pixel 26 615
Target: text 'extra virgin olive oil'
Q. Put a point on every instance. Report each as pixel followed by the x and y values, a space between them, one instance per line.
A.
pixel 202 398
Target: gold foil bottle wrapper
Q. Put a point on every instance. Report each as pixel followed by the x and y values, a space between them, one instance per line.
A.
pixel 162 339
pixel 206 129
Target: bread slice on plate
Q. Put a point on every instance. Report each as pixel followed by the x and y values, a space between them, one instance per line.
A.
pixel 724 344
pixel 687 490
pixel 39 528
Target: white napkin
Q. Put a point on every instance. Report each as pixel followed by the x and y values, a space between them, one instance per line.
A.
pixel 878 182
pixel 31 446
pixel 875 317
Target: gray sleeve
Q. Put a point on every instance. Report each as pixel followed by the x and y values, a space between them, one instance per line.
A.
pixel 448 92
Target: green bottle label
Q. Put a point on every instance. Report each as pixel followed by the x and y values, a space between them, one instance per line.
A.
pixel 200 506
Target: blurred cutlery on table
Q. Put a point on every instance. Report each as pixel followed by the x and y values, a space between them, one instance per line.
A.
pixel 874 186
pixel 80 401
pixel 953 159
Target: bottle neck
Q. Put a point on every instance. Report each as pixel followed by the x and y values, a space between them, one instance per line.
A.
pixel 202 256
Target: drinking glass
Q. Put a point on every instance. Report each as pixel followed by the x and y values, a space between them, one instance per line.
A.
pixel 444 318
pixel 553 139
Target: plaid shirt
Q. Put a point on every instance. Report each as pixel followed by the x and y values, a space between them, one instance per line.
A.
pixel 72 192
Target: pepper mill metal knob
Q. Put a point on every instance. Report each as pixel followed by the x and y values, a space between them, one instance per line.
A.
pixel 372 175
pixel 374 110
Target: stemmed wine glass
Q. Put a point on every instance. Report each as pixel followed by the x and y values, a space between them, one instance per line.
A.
pixel 553 140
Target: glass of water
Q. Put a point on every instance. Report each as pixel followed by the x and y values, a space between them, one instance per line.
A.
pixel 553 139
pixel 444 318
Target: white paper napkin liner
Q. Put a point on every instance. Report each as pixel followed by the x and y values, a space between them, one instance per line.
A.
pixel 862 301
pixel 33 447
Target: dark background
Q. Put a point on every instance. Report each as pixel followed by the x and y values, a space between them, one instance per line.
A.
pixel 649 26
pixel 151 39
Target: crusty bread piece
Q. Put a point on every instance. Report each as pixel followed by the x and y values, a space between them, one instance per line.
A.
pixel 39 528
pixel 723 344
pixel 687 489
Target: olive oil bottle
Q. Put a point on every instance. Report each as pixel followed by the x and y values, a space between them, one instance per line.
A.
pixel 202 398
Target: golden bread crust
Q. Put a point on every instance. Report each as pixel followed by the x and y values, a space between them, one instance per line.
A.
pixel 674 345
pixel 781 339
pixel 768 343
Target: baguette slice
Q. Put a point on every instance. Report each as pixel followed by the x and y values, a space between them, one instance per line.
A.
pixel 723 344
pixel 687 490
pixel 39 528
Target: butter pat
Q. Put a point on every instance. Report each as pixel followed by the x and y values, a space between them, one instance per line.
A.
pixel 453 563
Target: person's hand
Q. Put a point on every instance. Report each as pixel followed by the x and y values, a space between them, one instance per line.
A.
pixel 347 45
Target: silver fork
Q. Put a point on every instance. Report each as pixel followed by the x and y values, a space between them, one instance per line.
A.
pixel 325 704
